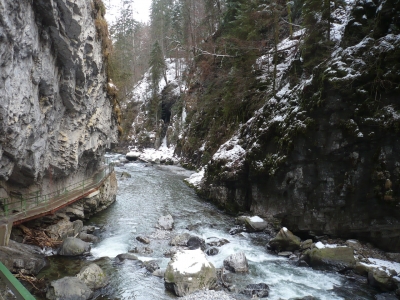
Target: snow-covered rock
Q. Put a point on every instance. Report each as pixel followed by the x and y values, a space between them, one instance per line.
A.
pixel 285 240
pixel 254 223
pixel 166 222
pixel 189 271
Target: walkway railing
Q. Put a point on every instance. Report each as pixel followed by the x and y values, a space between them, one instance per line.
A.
pixel 23 203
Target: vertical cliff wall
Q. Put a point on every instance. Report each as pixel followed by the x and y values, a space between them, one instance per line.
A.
pixel 55 117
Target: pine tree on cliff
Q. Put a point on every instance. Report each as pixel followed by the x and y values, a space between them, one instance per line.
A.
pixel 157 66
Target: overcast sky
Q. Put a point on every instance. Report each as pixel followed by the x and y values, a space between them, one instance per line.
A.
pixel 141 9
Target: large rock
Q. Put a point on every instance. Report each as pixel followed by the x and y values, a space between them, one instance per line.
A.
pixel 253 224
pixel 381 279
pixel 166 222
pixel 73 247
pixel 188 271
pixel 61 230
pixel 22 258
pixel 180 240
pixel 338 259
pixel 68 288
pixel 93 276
pixel 237 263
pixel 285 241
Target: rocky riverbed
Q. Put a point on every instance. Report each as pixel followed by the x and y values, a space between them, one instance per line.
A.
pixel 159 240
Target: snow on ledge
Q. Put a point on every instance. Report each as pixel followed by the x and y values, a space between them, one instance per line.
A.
pixel 231 152
pixel 196 178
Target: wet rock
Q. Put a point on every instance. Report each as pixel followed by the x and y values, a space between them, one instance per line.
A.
pixel 88 229
pixel 304 298
pixel 381 279
pixel 237 229
pixel 141 250
pixel 338 259
pixel 189 271
pixel 89 238
pixel 159 273
pixel 285 241
pixel 285 254
pixel 306 244
pixel 180 240
pixel 252 224
pixel 212 251
pixel 237 263
pixel 216 242
pixel 151 266
pixel 93 276
pixel 22 258
pixel 75 211
pixel 128 256
pixel 143 239
pixel 194 242
pixel 166 222
pixel 73 247
pixel 126 175
pixel 260 290
pixel 68 288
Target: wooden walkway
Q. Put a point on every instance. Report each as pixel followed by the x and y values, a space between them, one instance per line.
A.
pixel 33 206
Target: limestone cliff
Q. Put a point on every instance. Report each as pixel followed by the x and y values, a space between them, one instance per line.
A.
pixel 56 119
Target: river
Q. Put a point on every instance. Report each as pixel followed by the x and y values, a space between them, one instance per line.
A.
pixel 153 191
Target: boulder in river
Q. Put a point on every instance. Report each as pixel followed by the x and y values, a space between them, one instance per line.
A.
pixel 260 290
pixel 337 258
pixel 93 276
pixel 212 251
pixel 141 250
pixel 151 266
pixel 252 224
pixel 216 242
pixel 195 242
pixel 143 239
pixel 166 222
pixel 180 240
pixel 73 247
pixel 236 263
pixel 381 279
pixel 285 241
pixel 189 271
pixel 68 288
pixel 89 238
pixel 128 256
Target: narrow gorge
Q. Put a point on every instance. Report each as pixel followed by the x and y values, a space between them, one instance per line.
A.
pixel 204 149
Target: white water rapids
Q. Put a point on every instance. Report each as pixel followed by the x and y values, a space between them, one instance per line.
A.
pixel 153 191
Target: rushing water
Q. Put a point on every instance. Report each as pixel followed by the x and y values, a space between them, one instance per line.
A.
pixel 153 191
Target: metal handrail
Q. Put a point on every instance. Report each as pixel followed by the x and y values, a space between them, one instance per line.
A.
pixel 32 200
pixel 20 292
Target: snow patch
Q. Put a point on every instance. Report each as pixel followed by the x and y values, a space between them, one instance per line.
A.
pixel 196 178
pixel 256 219
pixel 190 261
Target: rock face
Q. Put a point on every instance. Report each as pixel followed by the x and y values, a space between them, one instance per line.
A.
pixel 22 258
pixel 73 247
pixel 285 241
pixel 56 119
pixel 68 288
pixel 321 155
pixel 189 271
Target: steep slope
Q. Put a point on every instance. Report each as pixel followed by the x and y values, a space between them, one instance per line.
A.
pixel 322 155
pixel 56 119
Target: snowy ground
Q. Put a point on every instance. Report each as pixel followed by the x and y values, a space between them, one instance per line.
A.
pixel 155 155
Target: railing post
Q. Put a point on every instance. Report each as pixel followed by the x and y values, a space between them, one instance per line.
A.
pixel 18 289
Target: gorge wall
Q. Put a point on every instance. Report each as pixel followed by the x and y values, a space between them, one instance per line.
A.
pixel 56 119
pixel 321 156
